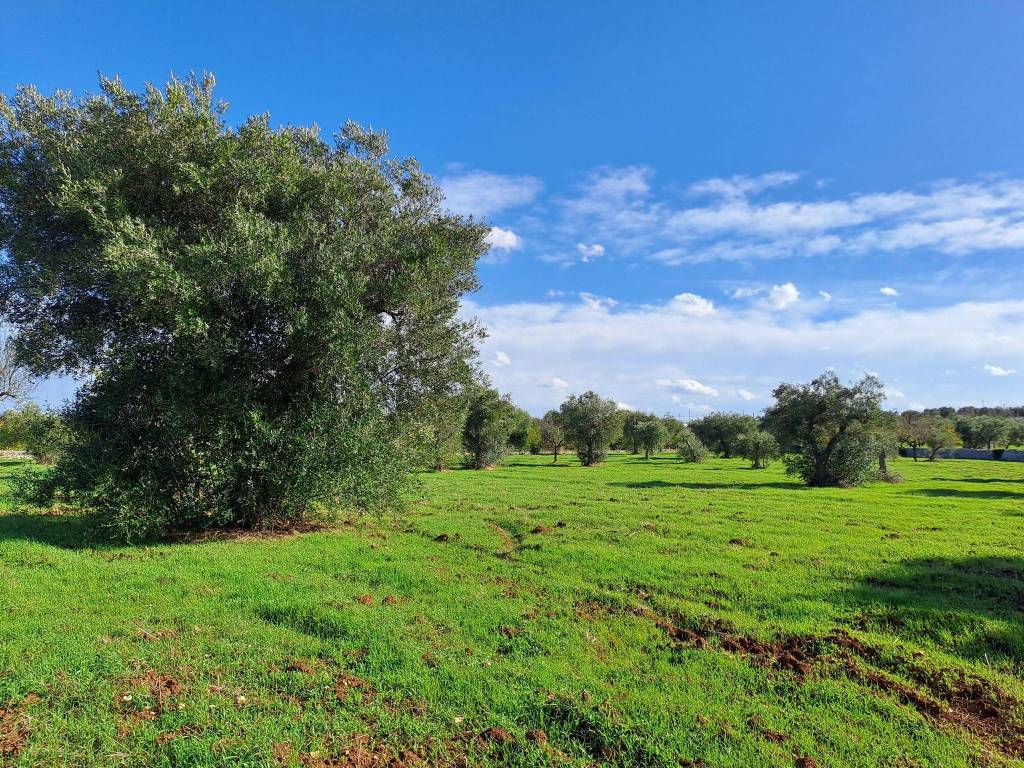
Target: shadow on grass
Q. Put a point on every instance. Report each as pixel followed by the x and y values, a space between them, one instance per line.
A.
pixel 973 607
pixel 64 531
pixel 711 486
pixel 965 494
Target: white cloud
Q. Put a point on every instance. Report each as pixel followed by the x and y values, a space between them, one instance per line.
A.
pixel 783 296
pixel 691 304
pixel 589 252
pixel 893 394
pixel 688 385
pixel 624 406
pixel 746 394
pixel 996 370
pixel 825 295
pixel 887 291
pixel 482 193
pixel 504 239
pixel 501 359
pixel 622 208
pixel 597 346
pixel 601 303
pixel 556 383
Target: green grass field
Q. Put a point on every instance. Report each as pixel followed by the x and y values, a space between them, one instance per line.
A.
pixel 638 613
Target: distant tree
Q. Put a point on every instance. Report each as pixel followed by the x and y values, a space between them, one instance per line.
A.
pixel 520 434
pixel 823 426
pixel 490 419
pixel 651 435
pixel 631 439
pixel 720 432
pixel 1015 433
pixel 939 434
pixel 551 434
pixel 913 430
pixel 758 446
pixel 884 430
pixel 675 428
pixel 534 441
pixel 442 421
pixel 982 431
pixel 591 424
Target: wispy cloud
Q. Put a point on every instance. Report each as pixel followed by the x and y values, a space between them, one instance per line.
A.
pixel 887 291
pixel 481 193
pixel 742 218
pixel 997 370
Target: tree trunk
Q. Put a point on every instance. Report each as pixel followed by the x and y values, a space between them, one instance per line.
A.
pixel 883 467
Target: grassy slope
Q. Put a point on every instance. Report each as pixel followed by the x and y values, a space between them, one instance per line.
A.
pixel 498 626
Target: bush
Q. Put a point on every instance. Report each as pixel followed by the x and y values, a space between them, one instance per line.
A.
pixel 262 313
pixel 41 434
pixel 691 449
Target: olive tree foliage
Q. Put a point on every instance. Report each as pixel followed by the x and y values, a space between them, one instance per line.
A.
pixel 490 420
pixel 591 424
pixel 823 426
pixel 631 420
pixel 983 431
pixel 651 436
pixel 720 432
pixel 759 447
pixel 689 448
pixel 552 436
pixel 926 431
pixel 260 313
pixel 439 440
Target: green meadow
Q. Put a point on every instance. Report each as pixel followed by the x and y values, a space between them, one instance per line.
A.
pixel 640 613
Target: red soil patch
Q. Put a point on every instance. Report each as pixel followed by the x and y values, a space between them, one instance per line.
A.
pixel 14 730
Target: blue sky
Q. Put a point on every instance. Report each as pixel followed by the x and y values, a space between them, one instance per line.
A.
pixel 691 202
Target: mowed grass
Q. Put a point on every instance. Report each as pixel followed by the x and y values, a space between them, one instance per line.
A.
pixel 638 613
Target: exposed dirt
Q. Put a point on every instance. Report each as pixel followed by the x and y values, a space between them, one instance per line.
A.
pixel 948 696
pixel 361 752
pixel 345 683
pixel 14 730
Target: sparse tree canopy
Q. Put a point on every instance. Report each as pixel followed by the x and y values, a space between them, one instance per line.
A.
pixel 591 424
pixel 15 379
pixel 261 312
pixel 552 435
pixel 823 427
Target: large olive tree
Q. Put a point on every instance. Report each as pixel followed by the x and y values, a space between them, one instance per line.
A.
pixel 824 428
pixel 258 313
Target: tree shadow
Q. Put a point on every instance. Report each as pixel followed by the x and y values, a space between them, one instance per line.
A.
pixel 977 480
pixel 972 607
pixel 72 531
pixel 711 486
pixel 965 494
